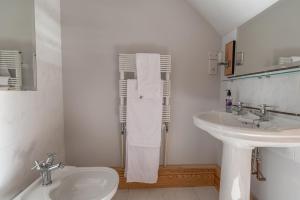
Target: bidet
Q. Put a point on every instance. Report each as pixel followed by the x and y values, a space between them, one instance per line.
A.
pixel 76 183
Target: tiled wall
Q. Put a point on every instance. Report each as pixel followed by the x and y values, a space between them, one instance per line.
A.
pixel 31 123
pixel 280 91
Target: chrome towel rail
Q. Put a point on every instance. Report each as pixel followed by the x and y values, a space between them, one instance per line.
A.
pixel 127 68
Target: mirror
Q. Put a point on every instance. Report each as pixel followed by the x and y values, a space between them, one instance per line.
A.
pixel 271 38
pixel 17 45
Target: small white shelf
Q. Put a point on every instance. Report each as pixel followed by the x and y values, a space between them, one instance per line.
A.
pixel 272 71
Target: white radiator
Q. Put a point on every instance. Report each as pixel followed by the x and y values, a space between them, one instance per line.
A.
pixel 127 69
pixel 12 60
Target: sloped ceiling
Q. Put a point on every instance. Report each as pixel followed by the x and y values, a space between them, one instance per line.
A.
pixel 226 15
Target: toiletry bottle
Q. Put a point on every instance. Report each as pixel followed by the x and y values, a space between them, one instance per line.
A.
pixel 228 101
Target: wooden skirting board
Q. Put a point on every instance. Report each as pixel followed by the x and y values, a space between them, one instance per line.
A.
pixel 178 176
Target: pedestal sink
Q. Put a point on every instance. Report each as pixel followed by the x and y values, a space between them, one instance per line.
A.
pixel 239 139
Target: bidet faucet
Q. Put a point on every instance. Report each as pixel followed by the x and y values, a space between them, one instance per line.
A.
pixel 46 167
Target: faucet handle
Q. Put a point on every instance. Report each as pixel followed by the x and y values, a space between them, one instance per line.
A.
pixel 37 165
pixel 241 104
pixel 265 106
pixel 51 157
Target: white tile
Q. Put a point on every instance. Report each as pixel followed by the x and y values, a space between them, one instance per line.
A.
pixel 121 195
pixel 180 193
pixel 207 193
pixel 139 194
pixel 163 194
pixel 198 193
pixel 157 194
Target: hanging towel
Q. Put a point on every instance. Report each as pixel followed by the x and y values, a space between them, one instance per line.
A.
pixel 4 80
pixel 142 164
pixel 148 75
pixel 144 119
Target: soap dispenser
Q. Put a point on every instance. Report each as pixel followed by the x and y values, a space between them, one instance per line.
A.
pixel 228 101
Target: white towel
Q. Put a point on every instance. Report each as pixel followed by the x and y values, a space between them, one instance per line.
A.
pixel 148 75
pixel 144 119
pixel 142 164
pixel 4 80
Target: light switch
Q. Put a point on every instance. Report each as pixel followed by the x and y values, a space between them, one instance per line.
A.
pixel 213 63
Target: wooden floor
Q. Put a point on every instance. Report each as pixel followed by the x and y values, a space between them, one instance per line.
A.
pixel 178 176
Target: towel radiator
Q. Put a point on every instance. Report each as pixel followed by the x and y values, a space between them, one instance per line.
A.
pixel 12 61
pixel 127 69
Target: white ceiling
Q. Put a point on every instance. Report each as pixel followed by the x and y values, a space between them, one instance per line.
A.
pixel 226 15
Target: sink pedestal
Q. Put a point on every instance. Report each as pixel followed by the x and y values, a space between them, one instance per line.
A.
pixel 235 172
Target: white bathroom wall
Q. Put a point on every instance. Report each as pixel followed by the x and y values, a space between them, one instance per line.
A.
pixel 93 33
pixel 31 123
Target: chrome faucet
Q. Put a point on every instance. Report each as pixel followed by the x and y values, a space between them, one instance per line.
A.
pixel 262 113
pixel 46 167
pixel 238 108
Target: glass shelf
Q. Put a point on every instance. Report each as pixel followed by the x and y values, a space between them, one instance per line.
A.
pixel 276 70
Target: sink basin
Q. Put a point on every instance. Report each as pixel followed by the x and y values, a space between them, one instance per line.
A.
pixel 75 183
pixel 278 132
pixel 239 139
